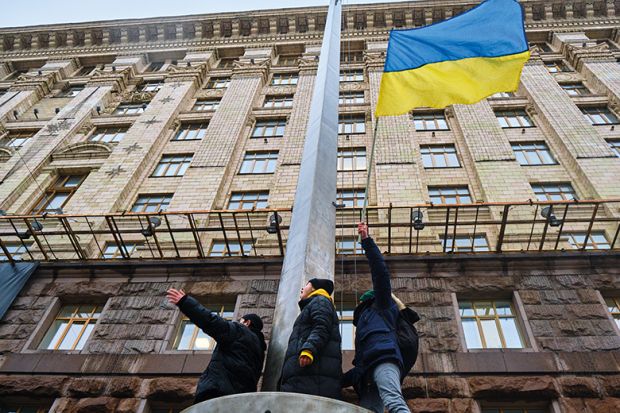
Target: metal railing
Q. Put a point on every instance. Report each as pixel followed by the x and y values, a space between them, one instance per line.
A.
pixel 422 228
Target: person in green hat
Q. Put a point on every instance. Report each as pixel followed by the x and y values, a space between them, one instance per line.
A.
pixel 378 362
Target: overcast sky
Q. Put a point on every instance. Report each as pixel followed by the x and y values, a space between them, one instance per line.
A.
pixel 17 13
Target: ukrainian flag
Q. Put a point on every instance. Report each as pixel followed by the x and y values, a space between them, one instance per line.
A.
pixel 460 60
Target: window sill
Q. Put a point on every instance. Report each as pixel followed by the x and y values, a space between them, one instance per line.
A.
pixel 256 173
pixel 501 350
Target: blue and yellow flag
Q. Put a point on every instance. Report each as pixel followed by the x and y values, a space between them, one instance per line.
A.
pixel 460 60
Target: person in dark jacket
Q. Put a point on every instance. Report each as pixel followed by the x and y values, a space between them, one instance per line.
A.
pixel 313 360
pixel 237 360
pixel 378 371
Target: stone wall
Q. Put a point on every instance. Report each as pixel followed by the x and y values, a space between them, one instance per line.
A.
pixel 571 359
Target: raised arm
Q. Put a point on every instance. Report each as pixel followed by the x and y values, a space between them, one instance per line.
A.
pixel 206 320
pixel 380 275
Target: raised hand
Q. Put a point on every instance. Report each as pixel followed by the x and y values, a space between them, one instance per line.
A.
pixel 174 295
pixel 362 229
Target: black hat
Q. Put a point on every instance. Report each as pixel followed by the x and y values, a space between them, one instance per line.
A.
pixel 324 283
pixel 257 323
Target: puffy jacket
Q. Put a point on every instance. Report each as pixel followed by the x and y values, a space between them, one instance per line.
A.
pixel 317 330
pixel 237 360
pixel 375 319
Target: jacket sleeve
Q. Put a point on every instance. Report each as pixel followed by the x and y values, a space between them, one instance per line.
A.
pixel 351 377
pixel 380 275
pixel 321 315
pixel 208 321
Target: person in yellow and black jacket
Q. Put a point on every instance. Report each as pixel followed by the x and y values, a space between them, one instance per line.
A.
pixel 313 360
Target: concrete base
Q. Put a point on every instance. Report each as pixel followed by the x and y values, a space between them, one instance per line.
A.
pixel 273 402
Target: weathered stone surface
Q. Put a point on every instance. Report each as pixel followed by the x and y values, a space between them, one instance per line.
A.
pixel 32 386
pixel 429 405
pixel 169 389
pixel 611 384
pixel 203 289
pixel 449 387
pixel 84 288
pixel 463 406
pixel 96 405
pixel 123 386
pixel 527 388
pixel 414 386
pixel 128 406
pixel 85 387
pixel 607 405
pixel 579 386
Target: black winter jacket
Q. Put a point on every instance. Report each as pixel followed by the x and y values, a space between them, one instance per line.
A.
pixel 237 360
pixel 317 330
pixel 376 340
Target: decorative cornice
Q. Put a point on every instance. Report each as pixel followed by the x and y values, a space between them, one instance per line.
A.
pixel 195 72
pixel 374 60
pixel 118 80
pixel 252 69
pixel 578 55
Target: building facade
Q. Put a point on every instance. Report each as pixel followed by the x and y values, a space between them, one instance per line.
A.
pixel 139 155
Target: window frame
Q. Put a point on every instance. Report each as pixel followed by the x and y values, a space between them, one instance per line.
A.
pixel 58 188
pixel 540 188
pixel 355 154
pixel 253 197
pixel 277 127
pixel 594 240
pixel 356 248
pixel 243 249
pixel 614 145
pixel 604 113
pixel 471 238
pixel 526 150
pixel 145 201
pixel 129 109
pixel 278 101
pixel 427 154
pixel 19 137
pixel 284 79
pixel 575 89
pixel 71 320
pixel 444 197
pixel 351 97
pixel 435 121
pixel 351 197
pixel 109 131
pixel 181 160
pixel 352 125
pixel 351 75
pixel 131 247
pixel 196 129
pixel 184 322
pixel 218 83
pixel 251 157
pixel 206 105
pixel 520 117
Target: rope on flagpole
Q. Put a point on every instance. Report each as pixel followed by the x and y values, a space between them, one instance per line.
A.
pixel 371 160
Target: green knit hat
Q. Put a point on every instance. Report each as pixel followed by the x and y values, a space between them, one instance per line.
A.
pixel 367 295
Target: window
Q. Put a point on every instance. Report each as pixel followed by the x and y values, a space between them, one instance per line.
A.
pixel 112 252
pixel 575 89
pixel 58 194
pixel 259 163
pixel 302 24
pixel 151 87
pixel 558 10
pixel 290 60
pixel 248 200
pixel 613 306
pixel 16 249
pixel 85 71
pixel 600 116
pixel 449 195
pixel 439 156
pixel 347 246
pixel 191 132
pixel 263 26
pixel 70 92
pixel 218 249
pixel 129 109
pixel 154 66
pixel 430 121
pixel 614 144
pixel 513 409
pixel 398 18
pixel 352 125
pixel 596 241
pixel 557 66
pixel 269 128
pixel 533 153
pixel 16 139
pixel 554 192
pixel 152 203
pixel 190 337
pixel 108 135
pixel 538 12
pixel 173 165
pixel 348 56
pixel 347 329
pixel 490 324
pixel 13 408
pixel 351 98
pixel 579 9
pixel 500 95
pixel 352 76
pixel 218 83
pixel 281 79
pixel 513 119
pixel 465 243
pixel 600 8
pixel 72 327
pixel 351 197
pixel 204 105
pixel 278 101
pixel 353 159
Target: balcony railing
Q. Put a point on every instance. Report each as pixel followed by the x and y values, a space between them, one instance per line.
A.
pixel 425 228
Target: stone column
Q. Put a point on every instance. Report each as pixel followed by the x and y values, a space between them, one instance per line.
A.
pixel 132 160
pixel 589 155
pixel 204 180
pixel 289 161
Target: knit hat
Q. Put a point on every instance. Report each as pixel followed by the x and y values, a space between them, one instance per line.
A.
pixel 324 283
pixel 367 295
pixel 257 323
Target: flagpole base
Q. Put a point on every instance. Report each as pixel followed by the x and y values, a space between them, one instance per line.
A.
pixel 274 402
